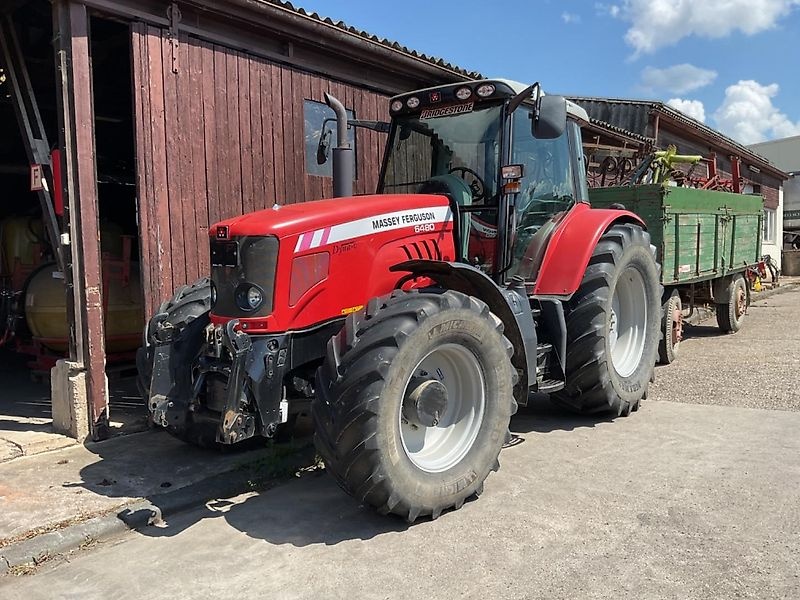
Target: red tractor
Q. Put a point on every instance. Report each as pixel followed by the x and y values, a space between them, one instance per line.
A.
pixel 414 321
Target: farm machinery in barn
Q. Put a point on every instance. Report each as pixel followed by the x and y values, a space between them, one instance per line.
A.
pixel 416 320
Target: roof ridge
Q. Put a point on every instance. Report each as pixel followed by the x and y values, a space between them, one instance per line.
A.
pixel 385 42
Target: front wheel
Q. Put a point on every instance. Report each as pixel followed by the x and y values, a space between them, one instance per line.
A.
pixel 413 402
pixel 613 323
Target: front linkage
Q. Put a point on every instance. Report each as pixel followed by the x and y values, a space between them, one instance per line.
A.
pixel 214 384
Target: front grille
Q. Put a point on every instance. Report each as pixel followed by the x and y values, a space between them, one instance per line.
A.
pixel 246 259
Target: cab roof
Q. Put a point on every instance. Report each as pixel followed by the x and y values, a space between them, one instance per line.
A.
pixel 505 88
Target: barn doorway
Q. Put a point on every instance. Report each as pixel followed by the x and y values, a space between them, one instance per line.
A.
pixel 34 328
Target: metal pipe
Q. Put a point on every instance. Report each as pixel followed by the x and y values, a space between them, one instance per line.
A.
pixel 343 159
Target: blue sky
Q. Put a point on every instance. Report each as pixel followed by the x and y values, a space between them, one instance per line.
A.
pixel 734 64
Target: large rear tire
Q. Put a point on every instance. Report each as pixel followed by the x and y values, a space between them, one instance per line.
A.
pixel 413 402
pixel 613 326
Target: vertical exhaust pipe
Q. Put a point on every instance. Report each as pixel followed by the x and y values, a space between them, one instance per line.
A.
pixel 343 158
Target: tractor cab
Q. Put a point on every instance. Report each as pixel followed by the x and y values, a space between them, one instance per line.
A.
pixel 509 158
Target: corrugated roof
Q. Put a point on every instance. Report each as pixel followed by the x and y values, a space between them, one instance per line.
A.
pixel 634 115
pixel 624 132
pixel 391 44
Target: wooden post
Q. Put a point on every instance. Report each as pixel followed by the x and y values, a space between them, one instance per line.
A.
pixel 77 139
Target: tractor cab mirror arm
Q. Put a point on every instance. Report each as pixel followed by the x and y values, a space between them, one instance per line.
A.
pixel 379 126
pixel 324 146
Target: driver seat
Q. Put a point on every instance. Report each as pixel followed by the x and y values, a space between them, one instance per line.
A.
pixel 458 191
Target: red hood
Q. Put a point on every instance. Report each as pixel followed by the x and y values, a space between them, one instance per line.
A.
pixel 292 219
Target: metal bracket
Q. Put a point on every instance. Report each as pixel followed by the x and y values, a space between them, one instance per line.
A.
pixel 174 16
pixel 235 424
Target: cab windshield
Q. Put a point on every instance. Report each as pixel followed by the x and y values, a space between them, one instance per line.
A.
pixel 463 146
pixel 460 155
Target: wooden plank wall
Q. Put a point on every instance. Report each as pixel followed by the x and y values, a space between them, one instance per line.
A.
pixel 221 137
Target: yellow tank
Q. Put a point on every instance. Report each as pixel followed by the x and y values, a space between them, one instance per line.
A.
pixel 23 238
pixel 46 311
pixel 19 237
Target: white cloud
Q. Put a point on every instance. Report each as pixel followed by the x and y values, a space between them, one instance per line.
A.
pixel 658 23
pixel 748 115
pixel 691 108
pixel 570 18
pixel 609 9
pixel 677 79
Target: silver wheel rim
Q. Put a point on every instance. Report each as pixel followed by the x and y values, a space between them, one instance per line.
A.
pixel 439 448
pixel 628 322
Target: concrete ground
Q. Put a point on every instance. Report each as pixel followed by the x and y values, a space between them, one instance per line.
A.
pixel 49 490
pixel 695 496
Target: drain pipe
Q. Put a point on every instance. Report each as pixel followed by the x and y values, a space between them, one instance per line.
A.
pixel 343 162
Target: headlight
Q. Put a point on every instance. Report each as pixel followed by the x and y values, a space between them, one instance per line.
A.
pixel 463 93
pixel 485 90
pixel 249 297
pixel 397 105
pixel 412 102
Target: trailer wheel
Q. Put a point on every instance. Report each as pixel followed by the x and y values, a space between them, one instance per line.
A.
pixel 731 314
pixel 413 402
pixel 613 325
pixel 671 328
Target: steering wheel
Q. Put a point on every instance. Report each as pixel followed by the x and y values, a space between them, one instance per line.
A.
pixel 477 186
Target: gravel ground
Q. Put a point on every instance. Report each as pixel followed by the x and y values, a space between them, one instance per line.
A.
pixel 758 367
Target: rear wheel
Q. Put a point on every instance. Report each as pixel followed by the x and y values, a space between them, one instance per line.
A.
pixel 613 326
pixel 671 328
pixel 730 314
pixel 413 402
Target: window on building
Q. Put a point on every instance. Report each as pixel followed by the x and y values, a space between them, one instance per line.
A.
pixel 770 225
pixel 317 115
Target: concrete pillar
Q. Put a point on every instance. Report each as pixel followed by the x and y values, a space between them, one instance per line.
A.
pixel 70 406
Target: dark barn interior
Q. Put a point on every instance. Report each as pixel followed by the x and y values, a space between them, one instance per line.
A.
pixel 34 326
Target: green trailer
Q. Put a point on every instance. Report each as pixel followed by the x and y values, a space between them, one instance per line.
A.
pixel 705 241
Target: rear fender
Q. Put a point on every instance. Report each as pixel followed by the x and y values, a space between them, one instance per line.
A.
pixel 511 306
pixel 571 247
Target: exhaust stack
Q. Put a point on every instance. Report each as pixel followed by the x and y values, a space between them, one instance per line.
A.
pixel 343 161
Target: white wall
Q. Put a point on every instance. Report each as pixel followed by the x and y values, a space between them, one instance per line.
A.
pixel 774 250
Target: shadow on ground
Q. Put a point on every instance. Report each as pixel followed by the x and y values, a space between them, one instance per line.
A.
pixel 542 416
pixel 177 480
pixel 702 331
pixel 313 510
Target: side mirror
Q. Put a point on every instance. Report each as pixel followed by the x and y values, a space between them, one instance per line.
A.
pixel 324 146
pixel 550 120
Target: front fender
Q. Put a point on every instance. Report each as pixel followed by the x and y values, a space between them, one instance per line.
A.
pixel 571 247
